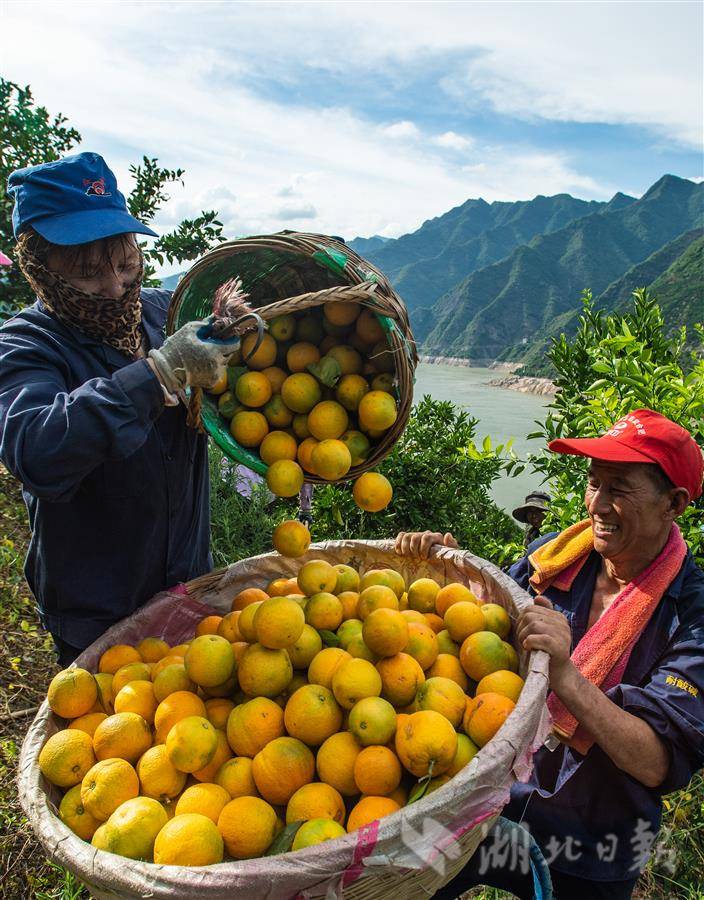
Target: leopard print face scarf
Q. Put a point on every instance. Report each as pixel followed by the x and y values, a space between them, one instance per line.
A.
pixel 114 321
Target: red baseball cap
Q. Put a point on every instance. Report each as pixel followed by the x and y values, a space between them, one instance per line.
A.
pixel 644 436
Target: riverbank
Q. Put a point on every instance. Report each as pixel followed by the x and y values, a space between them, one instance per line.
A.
pixel 526 385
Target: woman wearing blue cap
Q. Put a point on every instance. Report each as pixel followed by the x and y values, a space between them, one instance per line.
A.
pixel 115 483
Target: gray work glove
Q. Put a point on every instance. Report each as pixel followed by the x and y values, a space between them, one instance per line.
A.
pixel 193 356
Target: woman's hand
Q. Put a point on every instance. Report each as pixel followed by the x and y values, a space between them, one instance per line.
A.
pixel 418 543
pixel 543 628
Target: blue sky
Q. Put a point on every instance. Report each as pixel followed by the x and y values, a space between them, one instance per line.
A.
pixel 370 117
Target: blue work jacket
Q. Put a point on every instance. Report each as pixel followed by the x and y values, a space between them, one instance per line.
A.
pixel 115 482
pixel 591 819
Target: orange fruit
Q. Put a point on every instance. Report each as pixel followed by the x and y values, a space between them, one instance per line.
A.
pixel 137 697
pixel 447 645
pixel 422 644
pixel 328 419
pixel 300 392
pixel 350 390
pixel 350 602
pixel 124 735
pixel 306 648
pixel 263 357
pixel 248 826
pixel 511 656
pixel 347 358
pixel 132 829
pixel 353 680
pixel 301 355
pixel 369 809
pixel 106 785
pixel 422 594
pixel 452 593
pixel 305 454
pixel 464 618
pixel 466 751
pixel 426 743
pixel 249 428
pixel 381 357
pixel 347 579
pixel 484 715
pixel 283 328
pixel 291 538
pixel 368 328
pixel 226 689
pixel 373 721
pixel 312 715
pixel 66 757
pixel 220 385
pixel 383 382
pixel 89 722
pixel 158 777
pixel 377 771
pixel 444 696
pixel 483 653
pixel 245 623
pixel 277 414
pixel 276 377
pixel 377 596
pixel 222 753
pixel 330 459
pixel 325 664
pixel 247 597
pixel 341 312
pixel 189 839
pixel 235 775
pixel 358 445
pixel 253 389
pixel 448 666
pixel 389 578
pixel 412 615
pixel 284 478
pixel 315 801
pixel 209 660
pixel 228 405
pixel 118 656
pixel 173 709
pixel 335 762
pixel 191 744
pixel 401 676
pixel 316 576
pixel 105 694
pixel 72 693
pixel 130 672
pixel 228 627
pixel 264 672
pixel 254 724
pixel 152 649
pixel 218 710
pixel 281 768
pixel 74 815
pixel 358 649
pixel 377 411
pixel 281 587
pixel 385 632
pixel 501 682
pixel 497 619
pixel 372 492
pixel 206 799
pixel 278 623
pixel 300 424
pixel 324 611
pixel 172 659
pixel 278 445
pixel 435 622
pixel 317 831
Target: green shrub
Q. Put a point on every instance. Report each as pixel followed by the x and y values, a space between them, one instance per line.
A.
pixel 615 364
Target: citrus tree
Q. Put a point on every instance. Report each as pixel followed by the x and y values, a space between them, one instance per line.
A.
pixel 30 135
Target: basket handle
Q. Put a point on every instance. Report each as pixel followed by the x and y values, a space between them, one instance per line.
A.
pixel 359 293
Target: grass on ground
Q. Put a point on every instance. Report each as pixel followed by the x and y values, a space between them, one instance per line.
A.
pixel 27 665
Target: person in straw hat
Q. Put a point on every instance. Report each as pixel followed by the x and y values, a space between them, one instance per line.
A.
pixel 116 485
pixel 619 607
pixel 532 513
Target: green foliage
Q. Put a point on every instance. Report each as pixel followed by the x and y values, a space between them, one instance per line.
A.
pixel 29 135
pixel 615 364
pixel 441 482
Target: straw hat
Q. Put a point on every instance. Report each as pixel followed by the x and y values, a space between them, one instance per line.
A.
pixel 536 500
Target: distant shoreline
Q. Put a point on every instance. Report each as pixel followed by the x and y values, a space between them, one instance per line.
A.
pixel 522 383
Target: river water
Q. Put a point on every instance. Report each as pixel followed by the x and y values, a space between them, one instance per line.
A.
pixel 502 414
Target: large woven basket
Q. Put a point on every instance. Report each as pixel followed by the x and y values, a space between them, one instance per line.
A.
pixel 409 854
pixel 284 273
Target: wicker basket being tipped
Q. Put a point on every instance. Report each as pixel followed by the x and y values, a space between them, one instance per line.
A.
pixel 285 273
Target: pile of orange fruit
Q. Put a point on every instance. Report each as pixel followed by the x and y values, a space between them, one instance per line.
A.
pixel 316 706
pixel 314 397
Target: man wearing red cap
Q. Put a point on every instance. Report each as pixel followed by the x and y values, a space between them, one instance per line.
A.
pixel 619 607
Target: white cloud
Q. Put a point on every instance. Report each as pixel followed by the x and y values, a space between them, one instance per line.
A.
pixel 401 130
pixel 292 213
pixel 453 141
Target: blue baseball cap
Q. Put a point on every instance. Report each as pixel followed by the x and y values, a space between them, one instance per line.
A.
pixel 73 200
